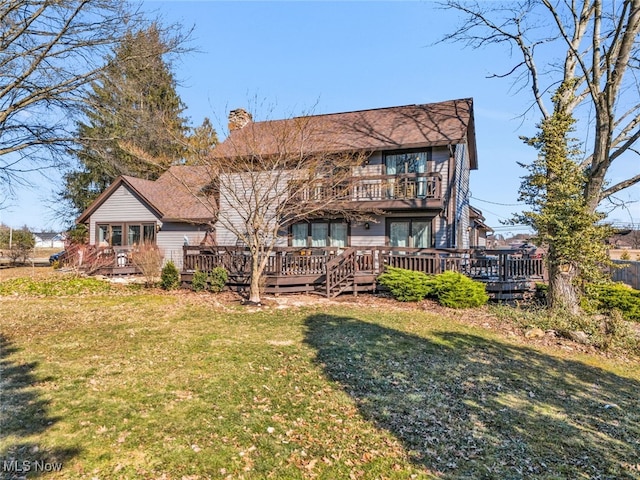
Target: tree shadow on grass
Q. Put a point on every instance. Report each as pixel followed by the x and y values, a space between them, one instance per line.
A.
pixel 24 414
pixel 469 407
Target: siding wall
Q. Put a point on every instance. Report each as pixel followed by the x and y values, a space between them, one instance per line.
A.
pixel 373 237
pixel 440 164
pixel 123 206
pixel 171 239
pixel 241 195
pixel 373 167
pixel 440 232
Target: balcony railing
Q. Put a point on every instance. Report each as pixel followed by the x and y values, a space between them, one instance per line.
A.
pixel 381 188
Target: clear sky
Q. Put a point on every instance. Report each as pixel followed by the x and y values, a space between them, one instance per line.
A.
pixel 295 57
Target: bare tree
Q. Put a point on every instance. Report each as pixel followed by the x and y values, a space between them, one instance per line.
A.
pixel 49 52
pixel 594 81
pixel 273 174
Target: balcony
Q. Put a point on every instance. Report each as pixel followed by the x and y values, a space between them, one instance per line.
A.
pixel 414 190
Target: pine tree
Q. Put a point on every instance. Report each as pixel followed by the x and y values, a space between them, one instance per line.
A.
pixel 200 143
pixel 560 213
pixel 133 121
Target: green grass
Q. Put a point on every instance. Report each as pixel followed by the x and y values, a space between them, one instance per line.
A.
pixel 53 287
pixel 163 386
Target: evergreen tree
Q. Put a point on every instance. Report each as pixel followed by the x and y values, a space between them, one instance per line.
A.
pixel 590 49
pixel 200 143
pixel 560 213
pixel 133 121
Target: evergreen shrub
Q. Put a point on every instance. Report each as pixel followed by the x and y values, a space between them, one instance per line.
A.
pixel 454 290
pixel 199 281
pixel 405 285
pixel 607 297
pixel 170 277
pixel 218 279
pixel 450 289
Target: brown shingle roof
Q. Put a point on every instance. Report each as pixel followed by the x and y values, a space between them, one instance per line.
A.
pixel 176 195
pixel 410 126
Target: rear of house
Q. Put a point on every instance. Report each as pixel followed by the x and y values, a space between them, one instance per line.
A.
pixel 410 171
pixel 415 176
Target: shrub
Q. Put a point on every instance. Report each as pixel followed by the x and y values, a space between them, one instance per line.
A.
pixel 78 234
pixel 612 296
pixel 218 279
pixel 455 290
pixel 199 281
pixel 170 277
pixel 148 259
pixel 405 285
pixel 605 332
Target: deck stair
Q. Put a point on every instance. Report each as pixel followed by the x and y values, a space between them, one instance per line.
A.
pixel 341 272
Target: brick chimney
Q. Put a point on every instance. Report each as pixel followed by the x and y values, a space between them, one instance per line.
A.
pixel 238 118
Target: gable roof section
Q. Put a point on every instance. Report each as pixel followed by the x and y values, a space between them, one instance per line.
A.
pixel 175 196
pixel 393 128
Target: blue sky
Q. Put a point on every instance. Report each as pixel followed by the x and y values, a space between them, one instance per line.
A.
pixel 293 57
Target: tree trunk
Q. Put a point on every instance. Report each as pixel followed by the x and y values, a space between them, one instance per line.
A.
pixel 256 273
pixel 563 292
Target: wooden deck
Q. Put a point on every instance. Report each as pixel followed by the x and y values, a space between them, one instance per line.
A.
pixel 332 271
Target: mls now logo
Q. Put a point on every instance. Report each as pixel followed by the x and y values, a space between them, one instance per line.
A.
pixel 24 466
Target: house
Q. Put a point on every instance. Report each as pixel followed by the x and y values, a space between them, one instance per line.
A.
pixel 416 172
pixel 478 229
pixel 409 169
pixel 49 240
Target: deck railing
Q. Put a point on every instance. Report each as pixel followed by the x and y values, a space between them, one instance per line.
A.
pixel 487 265
pixel 413 186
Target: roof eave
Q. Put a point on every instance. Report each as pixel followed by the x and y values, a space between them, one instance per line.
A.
pixel 194 220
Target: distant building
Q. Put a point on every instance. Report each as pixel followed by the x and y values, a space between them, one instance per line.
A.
pixel 49 240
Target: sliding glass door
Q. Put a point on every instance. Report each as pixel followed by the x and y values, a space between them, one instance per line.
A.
pixel 414 233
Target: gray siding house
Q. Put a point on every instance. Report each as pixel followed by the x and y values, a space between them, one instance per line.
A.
pixel 415 177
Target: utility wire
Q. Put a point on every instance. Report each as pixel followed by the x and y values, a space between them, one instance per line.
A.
pixel 497 203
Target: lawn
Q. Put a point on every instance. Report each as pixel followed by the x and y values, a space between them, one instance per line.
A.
pixel 129 384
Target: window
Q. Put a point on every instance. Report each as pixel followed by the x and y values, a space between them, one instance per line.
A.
pixel 118 235
pixel 133 234
pixel 109 235
pixel 405 164
pixel 320 234
pixel 149 233
pixel 299 234
pixel 414 233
